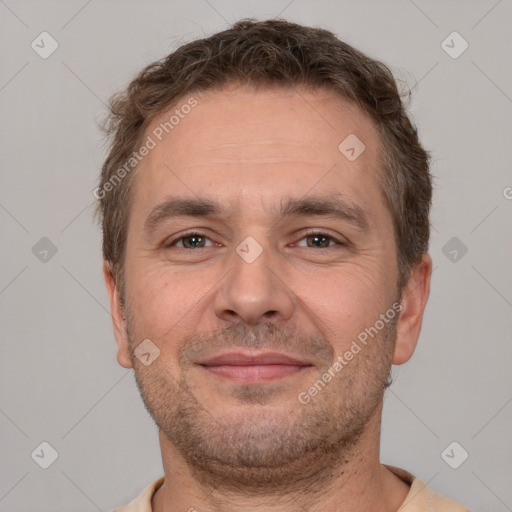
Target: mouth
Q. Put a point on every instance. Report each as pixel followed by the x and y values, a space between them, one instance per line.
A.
pixel 254 368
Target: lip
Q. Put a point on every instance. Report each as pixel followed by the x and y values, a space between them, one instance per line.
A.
pixel 249 359
pixel 253 367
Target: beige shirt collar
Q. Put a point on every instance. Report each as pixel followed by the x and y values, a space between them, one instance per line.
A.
pixel 419 499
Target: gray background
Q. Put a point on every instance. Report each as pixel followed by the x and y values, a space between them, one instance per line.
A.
pixel 60 381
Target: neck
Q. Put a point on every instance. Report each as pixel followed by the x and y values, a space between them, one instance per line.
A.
pixel 345 482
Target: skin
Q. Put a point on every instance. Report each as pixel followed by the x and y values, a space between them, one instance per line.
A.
pixel 250 445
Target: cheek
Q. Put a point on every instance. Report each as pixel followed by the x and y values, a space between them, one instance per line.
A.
pixel 344 302
pixel 163 302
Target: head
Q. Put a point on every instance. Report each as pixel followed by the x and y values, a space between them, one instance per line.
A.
pixel 265 192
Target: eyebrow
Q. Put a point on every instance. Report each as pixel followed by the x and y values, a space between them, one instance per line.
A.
pixel 334 206
pixel 181 207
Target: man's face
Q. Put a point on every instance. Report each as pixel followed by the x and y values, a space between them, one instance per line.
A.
pixel 241 338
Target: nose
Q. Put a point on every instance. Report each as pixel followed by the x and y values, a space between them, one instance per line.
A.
pixel 254 292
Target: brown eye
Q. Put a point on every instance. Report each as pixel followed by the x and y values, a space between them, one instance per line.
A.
pixel 191 242
pixel 319 241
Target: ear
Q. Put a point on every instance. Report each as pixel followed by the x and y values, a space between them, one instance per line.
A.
pixel 118 319
pixel 414 300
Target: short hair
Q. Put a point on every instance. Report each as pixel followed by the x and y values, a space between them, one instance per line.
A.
pixel 269 53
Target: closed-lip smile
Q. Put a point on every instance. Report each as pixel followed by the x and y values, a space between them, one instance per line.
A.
pixel 246 366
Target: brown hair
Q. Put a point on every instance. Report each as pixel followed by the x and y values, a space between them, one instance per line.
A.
pixel 272 52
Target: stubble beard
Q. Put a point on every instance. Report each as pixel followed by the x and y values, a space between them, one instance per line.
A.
pixel 265 449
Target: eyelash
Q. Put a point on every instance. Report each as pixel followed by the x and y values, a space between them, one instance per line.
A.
pixel 190 234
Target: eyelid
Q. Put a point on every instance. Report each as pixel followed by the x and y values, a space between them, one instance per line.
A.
pixel 342 241
pixel 318 231
pixel 175 239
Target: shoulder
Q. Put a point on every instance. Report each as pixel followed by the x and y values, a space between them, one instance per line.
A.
pixel 421 498
pixel 142 503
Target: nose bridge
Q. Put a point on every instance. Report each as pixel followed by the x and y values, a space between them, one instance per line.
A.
pixel 253 290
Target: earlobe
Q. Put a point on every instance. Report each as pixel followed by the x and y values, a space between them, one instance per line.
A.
pixel 118 317
pixel 414 300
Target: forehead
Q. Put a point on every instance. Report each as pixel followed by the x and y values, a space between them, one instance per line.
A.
pixel 270 120
pixel 251 146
